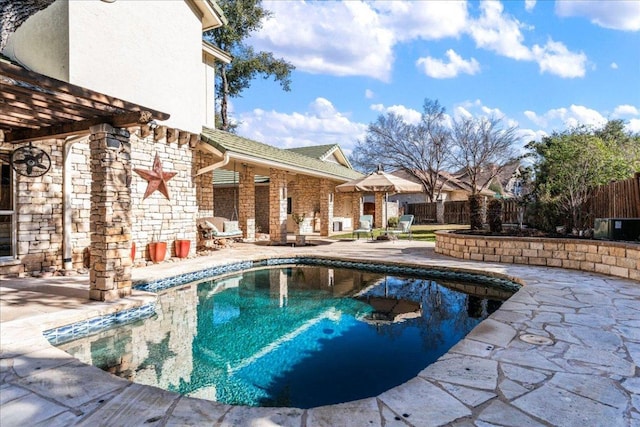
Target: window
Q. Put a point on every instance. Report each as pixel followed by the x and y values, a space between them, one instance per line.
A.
pixel 7 238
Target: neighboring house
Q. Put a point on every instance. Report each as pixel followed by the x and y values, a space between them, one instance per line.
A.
pixel 105 89
pixel 508 182
pixel 453 189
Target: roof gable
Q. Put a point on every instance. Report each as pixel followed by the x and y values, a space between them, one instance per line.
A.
pixel 326 153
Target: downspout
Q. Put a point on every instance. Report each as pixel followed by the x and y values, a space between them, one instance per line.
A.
pixel 67 191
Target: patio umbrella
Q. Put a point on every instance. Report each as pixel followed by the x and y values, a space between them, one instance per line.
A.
pixel 380 182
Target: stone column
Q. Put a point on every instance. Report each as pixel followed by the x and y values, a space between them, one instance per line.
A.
pixel 326 207
pixel 110 274
pixel 380 220
pixel 247 203
pixel 278 206
pixel 356 209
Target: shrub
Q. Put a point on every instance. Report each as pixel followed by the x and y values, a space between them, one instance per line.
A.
pixel 494 215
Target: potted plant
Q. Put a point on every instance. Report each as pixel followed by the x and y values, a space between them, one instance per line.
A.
pixel 182 247
pixel 157 249
pixel 299 220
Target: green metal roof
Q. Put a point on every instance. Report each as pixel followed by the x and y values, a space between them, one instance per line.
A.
pixel 315 151
pixel 228 142
pixel 228 177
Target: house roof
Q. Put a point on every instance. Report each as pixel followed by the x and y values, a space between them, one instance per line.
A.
pixel 212 14
pixel 243 149
pixel 37 107
pixel 451 182
pixel 323 152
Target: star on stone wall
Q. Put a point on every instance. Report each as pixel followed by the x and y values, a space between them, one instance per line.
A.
pixel 156 178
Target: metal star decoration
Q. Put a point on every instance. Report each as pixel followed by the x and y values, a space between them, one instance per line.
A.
pixel 156 178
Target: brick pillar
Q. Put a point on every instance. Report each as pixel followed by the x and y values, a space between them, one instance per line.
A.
pixel 278 206
pixel 110 274
pixel 326 207
pixel 356 209
pixel 247 203
pixel 379 221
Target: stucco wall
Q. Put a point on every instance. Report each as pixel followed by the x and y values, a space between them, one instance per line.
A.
pixel 42 42
pixel 146 52
pixel 614 258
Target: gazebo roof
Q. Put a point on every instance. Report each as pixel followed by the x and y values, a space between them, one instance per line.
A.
pixel 266 156
pixel 36 107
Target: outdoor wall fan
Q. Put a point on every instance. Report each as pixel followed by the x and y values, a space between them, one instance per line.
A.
pixel 30 161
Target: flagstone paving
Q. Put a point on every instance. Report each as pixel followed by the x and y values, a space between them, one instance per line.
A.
pixel 563 351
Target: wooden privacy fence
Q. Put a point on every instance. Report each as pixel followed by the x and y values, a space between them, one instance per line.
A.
pixel 458 212
pixel 620 199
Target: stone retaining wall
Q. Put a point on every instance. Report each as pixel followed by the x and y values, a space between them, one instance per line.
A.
pixel 613 258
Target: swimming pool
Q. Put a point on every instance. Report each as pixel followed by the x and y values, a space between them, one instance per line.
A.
pixel 294 335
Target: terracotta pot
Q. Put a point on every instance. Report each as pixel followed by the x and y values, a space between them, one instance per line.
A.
pixel 157 251
pixel 182 248
pixel 133 251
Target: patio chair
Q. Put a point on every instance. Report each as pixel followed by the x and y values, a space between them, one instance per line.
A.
pixel 404 226
pixel 218 231
pixel 365 226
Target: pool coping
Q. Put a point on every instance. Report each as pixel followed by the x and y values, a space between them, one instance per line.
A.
pixel 34 371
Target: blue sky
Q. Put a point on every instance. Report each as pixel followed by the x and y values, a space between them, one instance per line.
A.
pixel 539 65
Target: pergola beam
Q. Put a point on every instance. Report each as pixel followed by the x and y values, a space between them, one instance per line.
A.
pixel 78 127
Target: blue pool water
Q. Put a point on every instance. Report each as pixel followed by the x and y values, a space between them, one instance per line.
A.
pixel 295 336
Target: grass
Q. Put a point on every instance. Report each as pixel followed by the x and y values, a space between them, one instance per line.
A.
pixel 422 233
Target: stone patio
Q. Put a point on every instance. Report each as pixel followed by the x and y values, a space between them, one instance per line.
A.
pixel 581 370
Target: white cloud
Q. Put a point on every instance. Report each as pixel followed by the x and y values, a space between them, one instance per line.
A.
pixel 633 126
pixel 615 15
pixel 427 20
pixel 498 32
pixel 409 115
pixel 556 59
pixel 614 66
pixel 626 110
pixel 368 94
pixel 439 69
pixel 529 5
pixel 337 38
pixel 321 124
pixel 563 118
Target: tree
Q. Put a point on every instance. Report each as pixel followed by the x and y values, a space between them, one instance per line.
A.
pixel 421 149
pixel 14 13
pixel 244 17
pixel 482 149
pixel 571 164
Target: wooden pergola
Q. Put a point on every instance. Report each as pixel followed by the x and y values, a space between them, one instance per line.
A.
pixel 35 107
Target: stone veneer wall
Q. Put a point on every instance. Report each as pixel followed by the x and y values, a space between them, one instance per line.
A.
pixel 613 258
pixel 40 204
pixel 38 207
pixel 156 218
